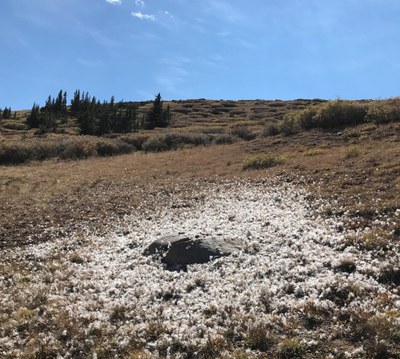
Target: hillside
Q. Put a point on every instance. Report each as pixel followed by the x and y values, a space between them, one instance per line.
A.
pixel 322 204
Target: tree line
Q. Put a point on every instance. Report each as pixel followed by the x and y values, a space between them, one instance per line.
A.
pixel 5 114
pixel 95 117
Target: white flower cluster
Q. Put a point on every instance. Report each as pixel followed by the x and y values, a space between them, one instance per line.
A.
pixel 289 259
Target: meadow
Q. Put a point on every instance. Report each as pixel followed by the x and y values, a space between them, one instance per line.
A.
pixel 311 187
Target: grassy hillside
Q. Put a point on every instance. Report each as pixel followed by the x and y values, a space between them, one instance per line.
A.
pixel 349 175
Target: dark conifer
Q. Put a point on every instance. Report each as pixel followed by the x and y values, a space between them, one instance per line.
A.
pixel 33 119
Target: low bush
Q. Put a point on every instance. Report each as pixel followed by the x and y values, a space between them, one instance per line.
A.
pixel 76 147
pixel 340 113
pixel 262 161
pixel 390 275
pixel 110 148
pixel 289 126
pixel 351 132
pixel 224 139
pixel 351 152
pixel 14 153
pixel 307 117
pixel 78 150
pixel 270 130
pixel 173 141
pixel 384 111
pixel 13 125
pixel 259 338
pixel 135 140
pixel 243 132
pixel 290 348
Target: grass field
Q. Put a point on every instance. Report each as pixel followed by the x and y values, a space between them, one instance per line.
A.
pixel 68 228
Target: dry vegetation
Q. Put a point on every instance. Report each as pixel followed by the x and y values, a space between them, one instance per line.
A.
pixel 354 169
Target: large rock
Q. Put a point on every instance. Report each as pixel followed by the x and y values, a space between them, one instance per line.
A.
pixel 180 249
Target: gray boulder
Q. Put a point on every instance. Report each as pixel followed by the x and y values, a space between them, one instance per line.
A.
pixel 181 249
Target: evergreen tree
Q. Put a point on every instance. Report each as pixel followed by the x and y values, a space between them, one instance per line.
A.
pixel 132 124
pixel 153 118
pixel 58 106
pixel 64 102
pixel 33 119
pixel 75 103
pixel 47 121
pixel 165 117
pixel 7 113
pixel 87 122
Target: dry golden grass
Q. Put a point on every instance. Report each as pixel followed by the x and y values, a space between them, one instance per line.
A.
pixel 68 194
pixel 40 201
pixel 355 166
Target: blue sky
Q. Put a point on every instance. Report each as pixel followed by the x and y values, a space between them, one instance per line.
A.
pixel 215 49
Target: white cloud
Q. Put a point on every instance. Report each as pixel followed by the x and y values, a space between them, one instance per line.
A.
pixel 139 3
pixel 224 10
pixel 114 2
pixel 141 16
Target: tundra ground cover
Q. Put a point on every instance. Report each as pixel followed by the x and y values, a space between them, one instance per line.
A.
pixel 300 287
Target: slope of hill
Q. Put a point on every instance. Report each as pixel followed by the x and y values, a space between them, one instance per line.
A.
pixel 318 208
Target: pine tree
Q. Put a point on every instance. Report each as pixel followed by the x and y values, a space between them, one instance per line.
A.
pixel 165 117
pixel 7 113
pixel 75 103
pixel 33 119
pixel 64 102
pixel 87 122
pixel 58 106
pixel 153 118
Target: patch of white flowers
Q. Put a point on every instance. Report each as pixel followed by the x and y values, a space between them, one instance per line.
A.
pixel 290 259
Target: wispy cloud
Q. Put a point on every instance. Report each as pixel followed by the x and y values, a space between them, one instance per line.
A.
pixel 215 60
pixel 224 10
pixel 90 63
pixel 142 16
pixel 139 3
pixel 114 2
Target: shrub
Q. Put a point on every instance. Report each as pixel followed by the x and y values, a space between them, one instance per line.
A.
pixel 270 130
pixel 262 161
pixel 243 132
pixel 351 152
pixel 352 132
pixel 224 139
pixel 390 275
pixel 155 143
pixel 307 117
pixel 173 141
pixel 78 150
pixel 211 349
pixel 13 125
pixel 135 140
pixel 346 265
pixel 110 148
pixel 211 130
pixel 384 111
pixel 290 348
pixel 289 126
pixel 258 338
pixel 14 153
pixel 340 113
